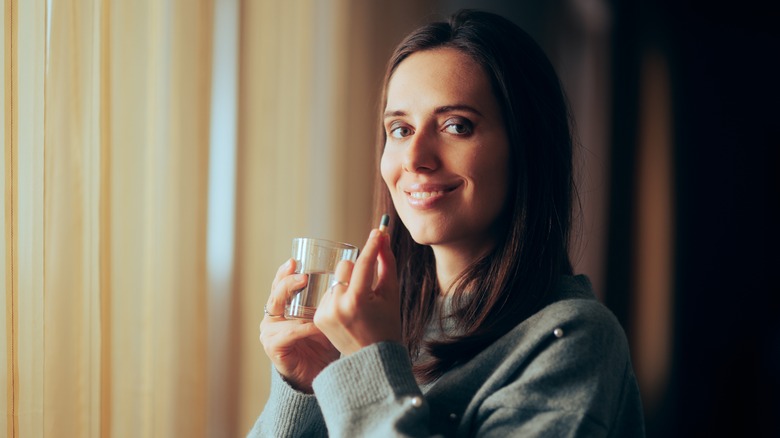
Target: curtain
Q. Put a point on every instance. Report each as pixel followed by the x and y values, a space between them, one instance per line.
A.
pixel 112 327
pixel 106 110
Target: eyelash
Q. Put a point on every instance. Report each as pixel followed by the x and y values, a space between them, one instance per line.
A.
pixel 457 121
pixel 450 123
pixel 395 127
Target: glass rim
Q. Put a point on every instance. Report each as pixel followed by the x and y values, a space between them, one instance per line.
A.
pixel 326 243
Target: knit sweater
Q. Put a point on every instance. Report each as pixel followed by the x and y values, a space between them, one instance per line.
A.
pixel 563 372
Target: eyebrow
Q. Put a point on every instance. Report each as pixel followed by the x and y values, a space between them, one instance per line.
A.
pixel 438 110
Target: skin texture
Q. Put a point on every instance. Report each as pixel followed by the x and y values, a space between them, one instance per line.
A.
pixel 445 165
pixel 446 137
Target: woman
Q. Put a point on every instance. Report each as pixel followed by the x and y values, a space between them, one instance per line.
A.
pixel 466 319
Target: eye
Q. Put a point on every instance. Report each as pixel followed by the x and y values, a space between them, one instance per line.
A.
pixel 458 126
pixel 400 131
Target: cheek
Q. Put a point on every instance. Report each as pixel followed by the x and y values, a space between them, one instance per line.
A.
pixel 388 169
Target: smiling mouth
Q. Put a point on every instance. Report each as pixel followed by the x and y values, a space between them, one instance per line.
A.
pixel 425 195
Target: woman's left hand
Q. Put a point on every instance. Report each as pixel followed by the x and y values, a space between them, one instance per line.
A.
pixel 362 312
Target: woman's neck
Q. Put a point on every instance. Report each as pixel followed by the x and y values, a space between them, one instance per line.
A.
pixel 452 260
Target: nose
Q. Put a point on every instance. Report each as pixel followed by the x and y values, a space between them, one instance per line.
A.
pixel 420 155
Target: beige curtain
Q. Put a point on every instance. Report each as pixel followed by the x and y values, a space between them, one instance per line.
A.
pixel 108 311
pixel 106 109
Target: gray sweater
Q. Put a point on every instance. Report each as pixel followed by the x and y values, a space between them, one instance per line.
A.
pixel 563 372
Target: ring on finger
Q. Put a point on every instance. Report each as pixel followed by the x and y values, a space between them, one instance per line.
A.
pixel 337 283
pixel 265 311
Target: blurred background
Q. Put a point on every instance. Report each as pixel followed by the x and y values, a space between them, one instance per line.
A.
pixel 160 155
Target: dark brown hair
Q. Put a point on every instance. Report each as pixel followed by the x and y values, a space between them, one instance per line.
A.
pixel 510 283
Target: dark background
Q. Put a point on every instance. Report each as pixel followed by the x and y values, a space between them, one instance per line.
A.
pixel 724 371
pixel 725 378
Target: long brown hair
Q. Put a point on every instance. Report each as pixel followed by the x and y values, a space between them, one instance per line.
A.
pixel 510 283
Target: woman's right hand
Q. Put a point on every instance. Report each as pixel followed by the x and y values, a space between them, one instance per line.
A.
pixel 297 348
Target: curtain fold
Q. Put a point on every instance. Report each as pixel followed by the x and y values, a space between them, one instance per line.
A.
pixel 71 320
pixel 159 110
pixel 24 61
pixel 104 178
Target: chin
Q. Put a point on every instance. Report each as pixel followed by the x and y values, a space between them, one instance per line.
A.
pixel 421 239
pixel 429 229
pixel 427 235
pixel 421 235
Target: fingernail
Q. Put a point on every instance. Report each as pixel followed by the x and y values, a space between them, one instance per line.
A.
pixel 300 277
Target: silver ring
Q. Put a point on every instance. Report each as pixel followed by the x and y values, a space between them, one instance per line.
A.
pixel 265 310
pixel 336 283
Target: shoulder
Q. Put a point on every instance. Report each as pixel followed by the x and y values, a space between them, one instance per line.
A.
pixel 574 343
pixel 572 354
pixel 565 368
pixel 572 336
pixel 571 358
pixel 579 324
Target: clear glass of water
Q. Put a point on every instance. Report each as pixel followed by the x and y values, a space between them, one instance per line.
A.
pixel 317 258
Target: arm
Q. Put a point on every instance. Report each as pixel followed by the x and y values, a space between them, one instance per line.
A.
pixel 580 384
pixel 288 413
pixel 529 383
pixel 298 351
pixel 371 390
pixel 354 317
pixel 372 393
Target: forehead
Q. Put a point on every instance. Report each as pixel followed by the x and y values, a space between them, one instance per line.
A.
pixel 440 76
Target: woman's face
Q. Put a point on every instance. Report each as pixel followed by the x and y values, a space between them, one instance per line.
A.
pixel 446 157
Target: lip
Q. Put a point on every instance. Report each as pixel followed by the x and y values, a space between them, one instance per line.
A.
pixel 427 195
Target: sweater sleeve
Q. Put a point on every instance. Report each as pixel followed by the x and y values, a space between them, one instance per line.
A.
pixel 288 413
pixel 372 393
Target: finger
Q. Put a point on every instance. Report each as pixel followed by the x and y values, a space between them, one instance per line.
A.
pixel 269 326
pixel 289 331
pixel 283 290
pixel 275 339
pixel 343 275
pixel 325 299
pixel 365 267
pixel 286 269
pixel 386 267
